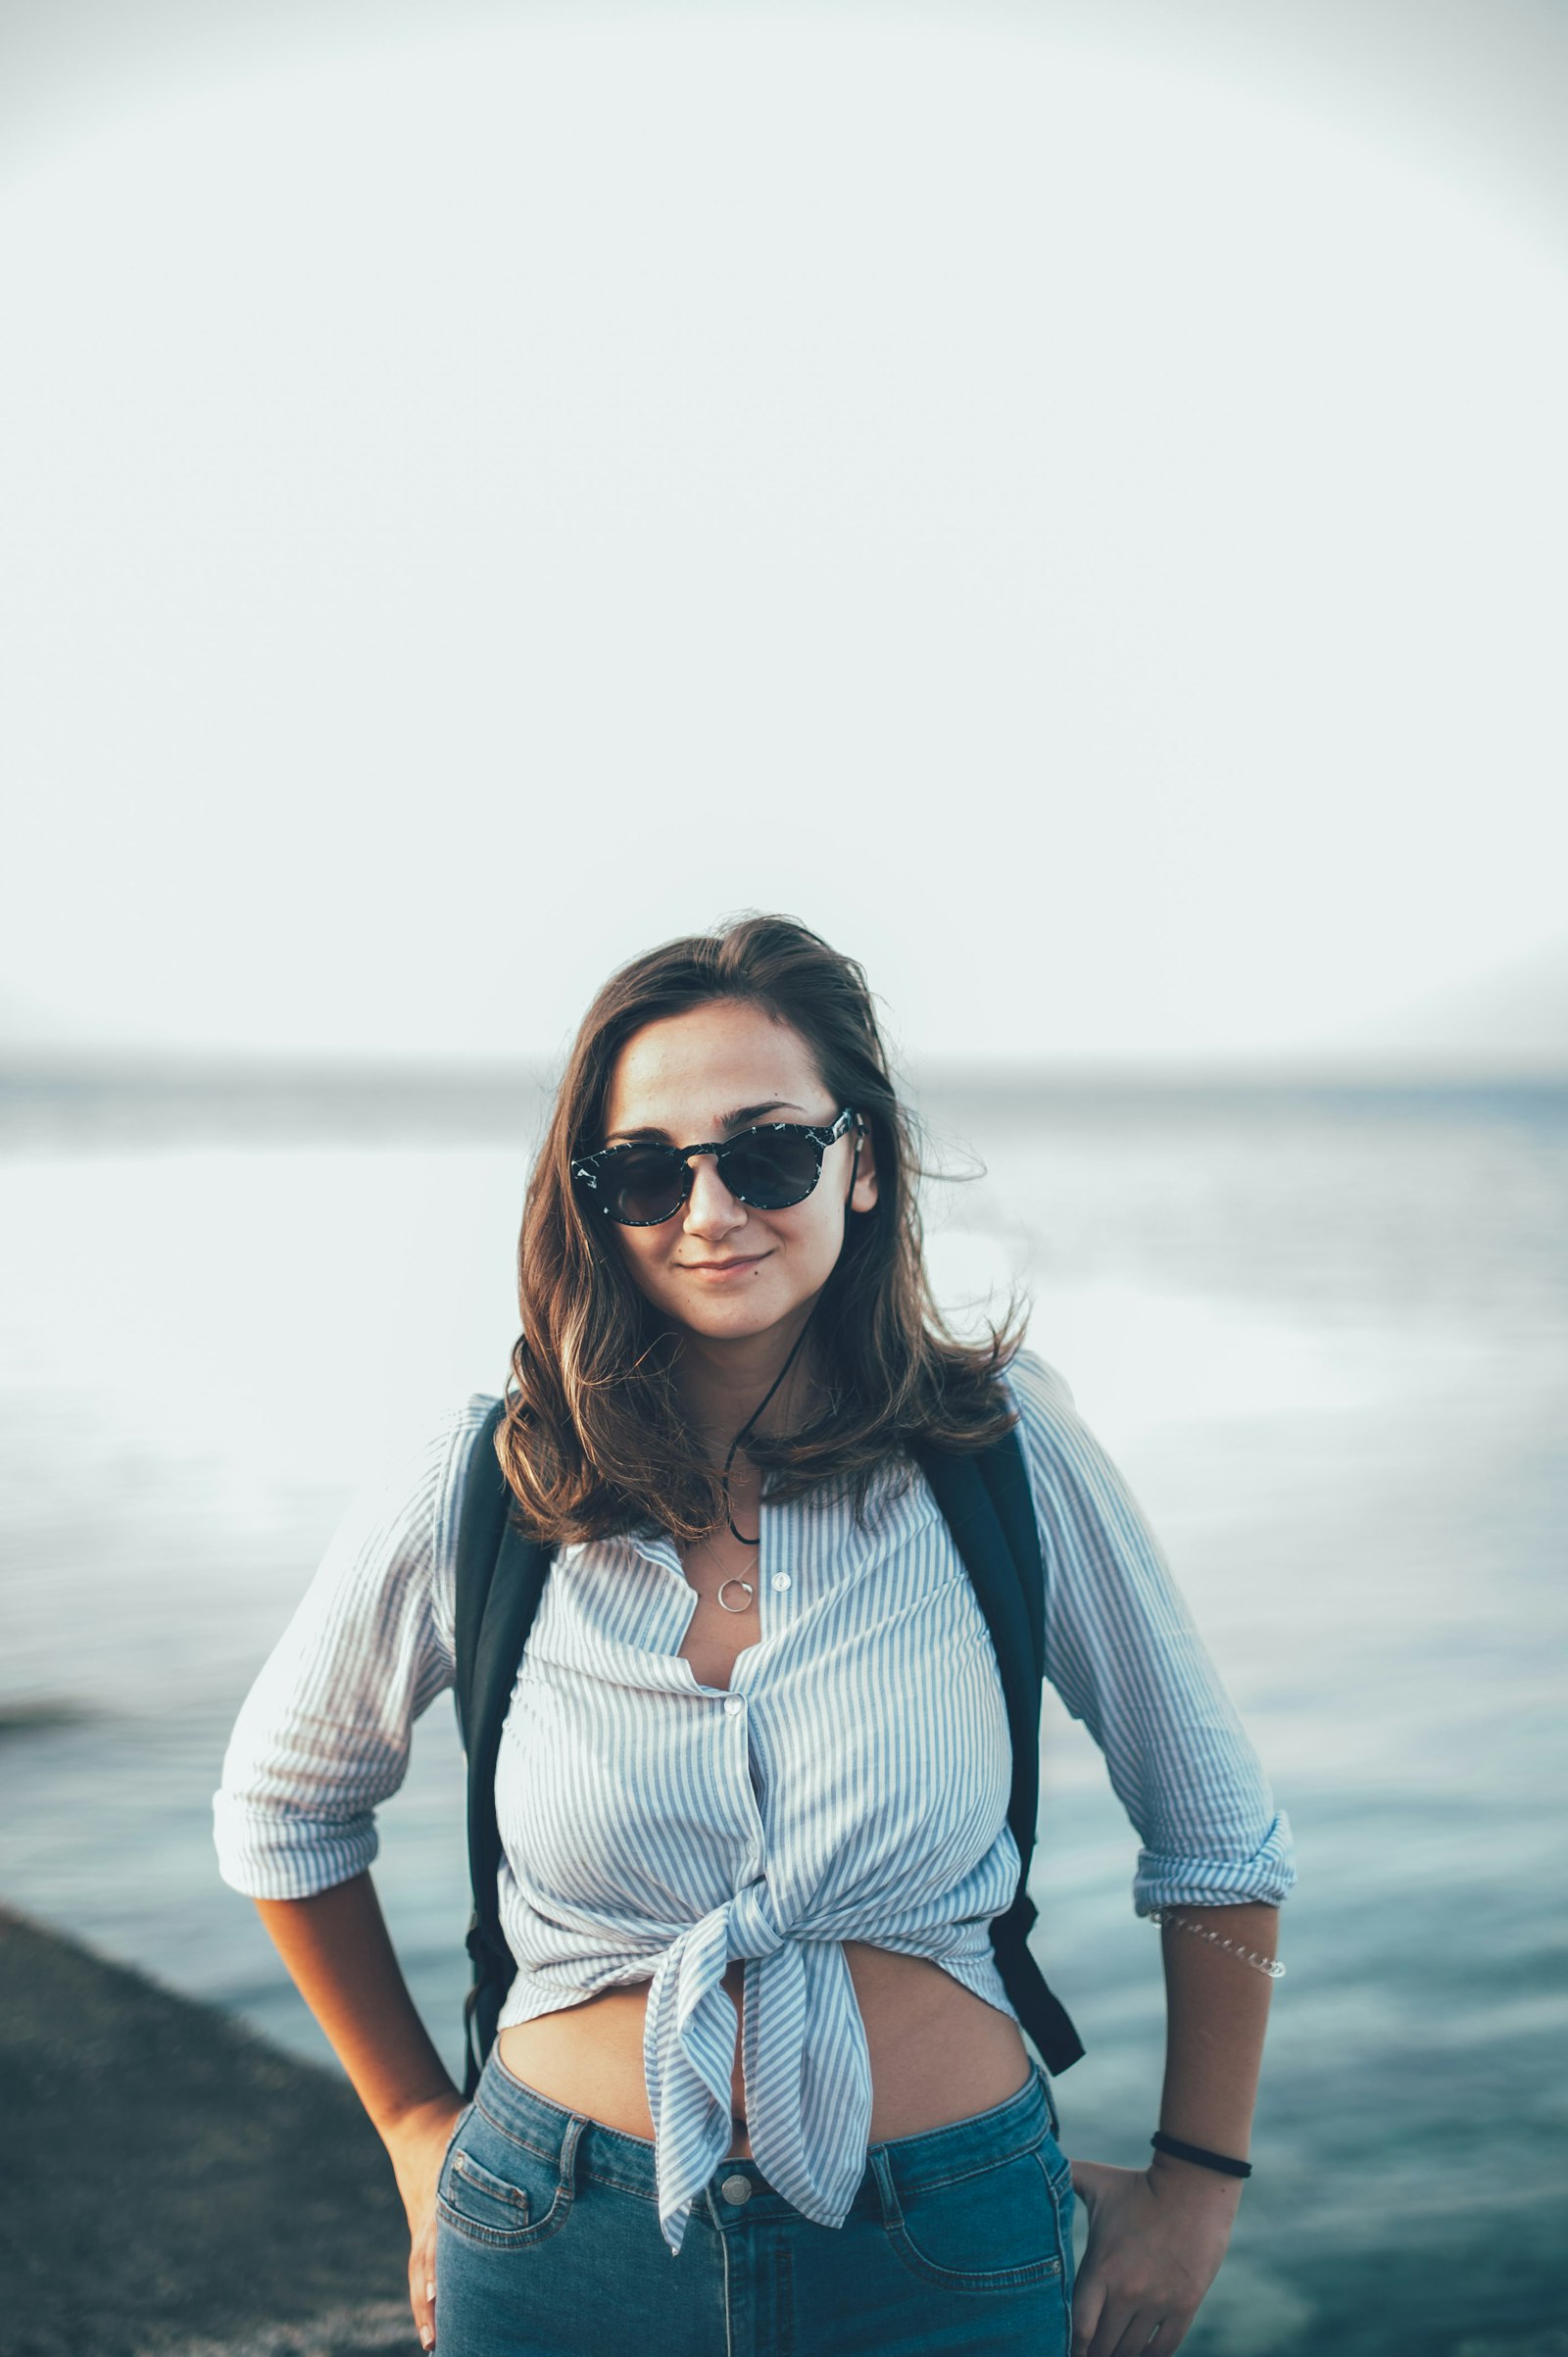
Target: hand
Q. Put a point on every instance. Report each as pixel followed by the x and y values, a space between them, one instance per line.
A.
pixel 417 2146
pixel 1156 2237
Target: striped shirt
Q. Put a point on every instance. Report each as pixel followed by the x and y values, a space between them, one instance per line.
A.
pixel 851 1783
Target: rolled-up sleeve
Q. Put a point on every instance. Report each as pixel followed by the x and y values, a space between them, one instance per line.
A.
pixel 323 1737
pixel 1123 1655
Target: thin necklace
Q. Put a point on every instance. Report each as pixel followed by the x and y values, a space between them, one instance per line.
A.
pixel 747 1586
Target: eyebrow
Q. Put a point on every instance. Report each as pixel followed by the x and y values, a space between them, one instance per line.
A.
pixel 742 1118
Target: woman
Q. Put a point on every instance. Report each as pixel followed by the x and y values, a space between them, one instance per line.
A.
pixel 753 1785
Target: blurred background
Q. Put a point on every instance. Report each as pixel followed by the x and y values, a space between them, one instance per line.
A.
pixel 1070 501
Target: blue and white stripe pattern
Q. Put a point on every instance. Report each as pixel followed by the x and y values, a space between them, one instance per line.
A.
pixel 851 1782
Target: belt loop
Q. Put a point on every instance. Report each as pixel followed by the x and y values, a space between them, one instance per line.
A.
pixel 568 2153
pixel 882 2167
pixel 1044 2077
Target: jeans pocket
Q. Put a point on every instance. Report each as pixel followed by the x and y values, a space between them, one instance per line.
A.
pixel 498 2192
pixel 1000 2228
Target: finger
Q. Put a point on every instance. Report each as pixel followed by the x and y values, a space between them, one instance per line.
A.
pixel 1110 2334
pixel 1087 2306
pixel 421 2297
pixel 1173 2332
pixel 1136 2333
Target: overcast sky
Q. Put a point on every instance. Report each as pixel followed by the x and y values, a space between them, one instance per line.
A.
pixel 1068 501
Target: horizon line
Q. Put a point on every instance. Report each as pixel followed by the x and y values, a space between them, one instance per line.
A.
pixel 29 1065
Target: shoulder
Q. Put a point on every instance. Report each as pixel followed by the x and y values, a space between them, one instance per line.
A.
pixel 448 1460
pixel 395 1550
pixel 1034 1384
pixel 1081 1496
pixel 1040 1397
pixel 415 1491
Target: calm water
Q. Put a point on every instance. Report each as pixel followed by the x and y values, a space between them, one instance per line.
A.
pixel 1326 1334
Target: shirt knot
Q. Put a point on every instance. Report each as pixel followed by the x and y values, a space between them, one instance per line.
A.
pixel 752 1932
pixel 809 2109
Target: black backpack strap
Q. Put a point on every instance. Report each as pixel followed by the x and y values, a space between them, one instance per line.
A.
pixel 987 1503
pixel 500 1579
pixel 480 1526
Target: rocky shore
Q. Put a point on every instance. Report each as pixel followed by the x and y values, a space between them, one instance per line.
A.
pixel 171 2186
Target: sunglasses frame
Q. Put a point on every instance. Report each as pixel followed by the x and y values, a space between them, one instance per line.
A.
pixel 586 1167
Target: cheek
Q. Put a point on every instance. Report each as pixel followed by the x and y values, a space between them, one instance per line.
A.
pixel 817 1239
pixel 639 1257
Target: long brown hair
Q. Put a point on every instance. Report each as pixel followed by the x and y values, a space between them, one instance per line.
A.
pixel 595 1439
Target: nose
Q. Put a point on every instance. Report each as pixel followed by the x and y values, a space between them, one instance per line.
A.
pixel 711 1209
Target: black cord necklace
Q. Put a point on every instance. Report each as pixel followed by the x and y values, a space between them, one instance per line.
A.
pixel 854 1168
pixel 729 1461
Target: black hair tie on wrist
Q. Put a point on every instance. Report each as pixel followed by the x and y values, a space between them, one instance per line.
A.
pixel 1195 2154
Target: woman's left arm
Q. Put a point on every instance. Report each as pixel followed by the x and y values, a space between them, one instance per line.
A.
pixel 1156 2235
pixel 1125 1657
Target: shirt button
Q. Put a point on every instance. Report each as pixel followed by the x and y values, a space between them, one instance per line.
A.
pixel 736 2188
pixel 781 1579
pixel 733 1707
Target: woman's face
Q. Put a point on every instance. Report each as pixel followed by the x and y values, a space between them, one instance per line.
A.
pixel 720 1267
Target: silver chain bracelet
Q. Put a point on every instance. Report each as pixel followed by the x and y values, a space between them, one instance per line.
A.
pixel 1270 1965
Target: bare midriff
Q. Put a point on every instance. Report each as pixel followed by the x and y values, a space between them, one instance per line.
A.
pixel 938 2052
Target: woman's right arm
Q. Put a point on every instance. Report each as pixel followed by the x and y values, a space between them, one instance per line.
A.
pixel 322 1741
pixel 341 1960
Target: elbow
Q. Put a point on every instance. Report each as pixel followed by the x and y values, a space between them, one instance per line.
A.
pixel 1219 1875
pixel 270 1852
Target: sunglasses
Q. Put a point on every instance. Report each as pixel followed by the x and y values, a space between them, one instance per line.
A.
pixel 770 1168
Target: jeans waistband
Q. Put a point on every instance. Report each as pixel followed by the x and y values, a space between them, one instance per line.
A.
pixel 587 2150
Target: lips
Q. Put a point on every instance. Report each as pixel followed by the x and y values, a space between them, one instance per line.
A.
pixel 716 1267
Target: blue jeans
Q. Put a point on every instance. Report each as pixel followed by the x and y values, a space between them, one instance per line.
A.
pixel 548 2244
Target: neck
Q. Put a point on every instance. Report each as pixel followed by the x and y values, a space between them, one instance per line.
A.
pixel 724 1382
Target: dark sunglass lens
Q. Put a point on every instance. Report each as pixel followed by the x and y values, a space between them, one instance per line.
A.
pixel 645 1185
pixel 771 1172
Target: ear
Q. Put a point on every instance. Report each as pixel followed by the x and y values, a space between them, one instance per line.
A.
pixel 863 1193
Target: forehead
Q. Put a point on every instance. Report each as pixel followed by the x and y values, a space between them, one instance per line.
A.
pixel 688 1072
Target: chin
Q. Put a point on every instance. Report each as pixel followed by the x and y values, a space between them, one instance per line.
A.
pixel 737 1319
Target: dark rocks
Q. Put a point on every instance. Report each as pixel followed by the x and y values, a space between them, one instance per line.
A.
pixel 169 2182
